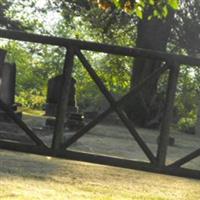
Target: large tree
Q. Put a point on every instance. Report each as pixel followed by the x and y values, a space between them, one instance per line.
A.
pixel 153 30
pixel 154 24
pixel 151 34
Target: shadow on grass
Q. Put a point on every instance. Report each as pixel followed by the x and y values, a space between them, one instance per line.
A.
pixel 26 165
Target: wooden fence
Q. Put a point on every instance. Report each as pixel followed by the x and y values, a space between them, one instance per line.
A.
pixel 59 147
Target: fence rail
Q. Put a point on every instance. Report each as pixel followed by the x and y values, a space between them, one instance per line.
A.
pixel 104 48
pixel 157 163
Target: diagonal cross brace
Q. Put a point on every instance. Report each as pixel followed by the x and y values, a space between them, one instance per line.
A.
pixel 101 116
pixel 21 124
pixel 185 159
pixel 118 110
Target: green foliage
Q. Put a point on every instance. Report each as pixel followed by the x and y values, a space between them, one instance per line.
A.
pixel 31 99
pixel 35 65
pixel 187 92
pixel 160 8
pixel 187 99
pixel 175 4
pixel 187 124
pixel 186 27
pixel 32 18
pixel 114 71
pixel 5 19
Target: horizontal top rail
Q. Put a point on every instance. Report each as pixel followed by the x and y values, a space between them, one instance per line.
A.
pixel 104 48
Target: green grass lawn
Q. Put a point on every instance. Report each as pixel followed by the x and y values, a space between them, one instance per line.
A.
pixel 26 176
pixel 31 112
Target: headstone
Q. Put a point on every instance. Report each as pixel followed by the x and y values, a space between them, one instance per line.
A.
pixel 2 57
pixel 7 87
pixel 73 117
pixel 7 83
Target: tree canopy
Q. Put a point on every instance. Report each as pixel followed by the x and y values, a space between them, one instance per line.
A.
pixel 159 8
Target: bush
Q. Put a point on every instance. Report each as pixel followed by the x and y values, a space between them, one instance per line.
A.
pixel 187 124
pixel 31 99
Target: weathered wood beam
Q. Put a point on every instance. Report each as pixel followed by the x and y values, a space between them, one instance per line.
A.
pixel 186 159
pixel 92 46
pixel 117 109
pixel 98 159
pixel 165 126
pixel 63 100
pixel 21 124
pixel 134 91
pixel 86 128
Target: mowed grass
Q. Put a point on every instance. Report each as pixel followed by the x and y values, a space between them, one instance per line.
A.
pixel 31 177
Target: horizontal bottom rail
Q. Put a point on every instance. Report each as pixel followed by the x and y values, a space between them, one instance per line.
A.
pixel 99 159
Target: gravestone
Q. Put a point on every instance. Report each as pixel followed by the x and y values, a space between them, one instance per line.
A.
pixel 7 83
pixel 73 117
pixel 2 57
pixel 7 86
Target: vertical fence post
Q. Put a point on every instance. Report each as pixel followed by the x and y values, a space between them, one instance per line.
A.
pixel 64 99
pixel 165 126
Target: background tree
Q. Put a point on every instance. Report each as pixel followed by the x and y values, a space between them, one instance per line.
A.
pixel 151 34
pixel 145 24
pixel 5 20
pixel 153 30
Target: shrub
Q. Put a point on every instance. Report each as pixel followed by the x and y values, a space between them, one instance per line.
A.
pixel 31 99
pixel 187 124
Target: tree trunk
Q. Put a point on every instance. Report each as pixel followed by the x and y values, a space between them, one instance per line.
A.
pixel 152 34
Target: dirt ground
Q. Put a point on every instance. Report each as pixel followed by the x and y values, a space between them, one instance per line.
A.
pixel 112 140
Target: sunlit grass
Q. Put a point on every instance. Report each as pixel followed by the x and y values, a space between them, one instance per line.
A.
pixel 31 112
pixel 26 176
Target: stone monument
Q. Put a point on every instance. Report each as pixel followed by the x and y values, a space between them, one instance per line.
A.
pixel 7 86
pixel 73 118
